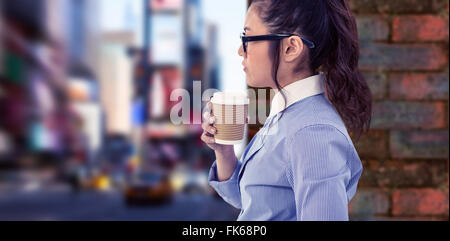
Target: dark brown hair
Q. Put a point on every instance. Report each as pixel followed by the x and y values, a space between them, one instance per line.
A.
pixel 332 27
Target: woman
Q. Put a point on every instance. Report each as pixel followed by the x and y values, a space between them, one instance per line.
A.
pixel 309 169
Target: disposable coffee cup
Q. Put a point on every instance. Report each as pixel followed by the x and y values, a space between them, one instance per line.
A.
pixel 230 110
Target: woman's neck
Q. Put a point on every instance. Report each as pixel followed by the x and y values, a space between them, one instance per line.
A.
pixel 287 80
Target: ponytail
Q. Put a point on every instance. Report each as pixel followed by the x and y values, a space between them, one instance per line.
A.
pixel 345 86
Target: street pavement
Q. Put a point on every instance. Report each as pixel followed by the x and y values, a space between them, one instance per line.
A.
pixel 60 203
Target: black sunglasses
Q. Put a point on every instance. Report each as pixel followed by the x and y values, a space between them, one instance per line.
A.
pixel 246 39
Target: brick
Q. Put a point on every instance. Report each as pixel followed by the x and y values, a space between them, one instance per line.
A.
pixel 391 6
pixel 419 144
pixel 441 176
pixel 368 202
pixel 378 83
pixel 374 28
pixel 385 218
pixel 440 6
pixel 418 86
pixel 378 56
pixel 403 173
pixel 372 145
pixel 407 115
pixel 419 28
pixel 417 202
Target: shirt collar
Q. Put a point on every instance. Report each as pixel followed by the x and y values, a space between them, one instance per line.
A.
pixel 297 91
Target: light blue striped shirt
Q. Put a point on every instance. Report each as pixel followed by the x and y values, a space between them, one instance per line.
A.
pixel 304 167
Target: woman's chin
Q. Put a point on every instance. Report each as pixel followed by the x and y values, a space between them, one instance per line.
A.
pixel 251 83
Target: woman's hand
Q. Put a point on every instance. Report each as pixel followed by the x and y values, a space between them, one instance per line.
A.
pixel 209 131
pixel 225 156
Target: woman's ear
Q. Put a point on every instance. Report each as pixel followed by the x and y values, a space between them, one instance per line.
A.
pixel 292 48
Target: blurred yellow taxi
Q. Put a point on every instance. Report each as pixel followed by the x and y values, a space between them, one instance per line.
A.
pixel 148 188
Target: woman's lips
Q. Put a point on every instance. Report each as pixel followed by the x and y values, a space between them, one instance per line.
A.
pixel 245 68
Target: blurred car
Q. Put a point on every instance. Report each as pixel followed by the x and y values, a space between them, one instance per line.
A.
pixel 196 183
pixel 148 188
pixel 101 182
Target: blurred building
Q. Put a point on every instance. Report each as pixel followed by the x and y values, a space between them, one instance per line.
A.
pixel 174 42
pixel 116 75
pixel 34 98
pixel 74 24
pixel 51 105
pixel 85 96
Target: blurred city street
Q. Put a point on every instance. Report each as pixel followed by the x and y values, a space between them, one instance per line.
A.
pixel 58 202
pixel 87 128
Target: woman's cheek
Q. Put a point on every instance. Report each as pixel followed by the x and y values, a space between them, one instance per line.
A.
pixel 257 68
pixel 257 79
pixel 253 78
pixel 250 79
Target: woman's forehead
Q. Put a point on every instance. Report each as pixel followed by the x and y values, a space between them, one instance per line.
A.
pixel 253 23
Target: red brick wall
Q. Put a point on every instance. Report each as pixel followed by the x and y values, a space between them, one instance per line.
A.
pixel 404 57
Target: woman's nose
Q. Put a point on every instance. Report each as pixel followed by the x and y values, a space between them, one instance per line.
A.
pixel 241 51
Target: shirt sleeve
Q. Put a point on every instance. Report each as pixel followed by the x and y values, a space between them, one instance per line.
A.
pixel 319 173
pixel 228 189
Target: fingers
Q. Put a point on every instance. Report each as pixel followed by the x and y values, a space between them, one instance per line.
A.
pixel 208 117
pixel 207 111
pixel 209 128
pixel 207 139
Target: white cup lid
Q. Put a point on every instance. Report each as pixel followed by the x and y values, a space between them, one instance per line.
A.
pixel 230 98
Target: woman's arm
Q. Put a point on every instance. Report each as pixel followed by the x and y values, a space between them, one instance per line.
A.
pixel 319 173
pixel 224 171
pixel 226 163
pixel 228 189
